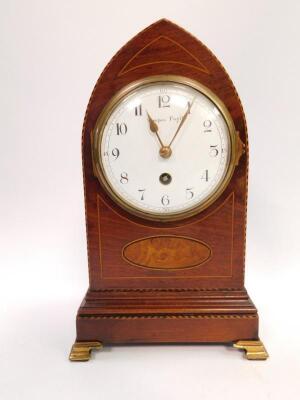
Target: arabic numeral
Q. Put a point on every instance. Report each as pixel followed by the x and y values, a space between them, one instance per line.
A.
pixel 205 175
pixel 163 101
pixel 165 200
pixel 138 110
pixel 115 153
pixel 189 193
pixel 207 125
pixel 213 150
pixel 142 192
pixel 124 178
pixel 121 128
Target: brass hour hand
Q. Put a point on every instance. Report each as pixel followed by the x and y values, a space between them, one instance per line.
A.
pixel 154 128
pixel 153 124
pixel 165 151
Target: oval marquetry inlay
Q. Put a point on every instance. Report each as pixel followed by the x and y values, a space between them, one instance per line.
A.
pixel 166 252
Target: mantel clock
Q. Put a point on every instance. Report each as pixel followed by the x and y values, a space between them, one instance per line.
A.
pixel 165 160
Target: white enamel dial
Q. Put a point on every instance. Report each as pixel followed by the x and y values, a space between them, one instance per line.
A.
pixel 191 167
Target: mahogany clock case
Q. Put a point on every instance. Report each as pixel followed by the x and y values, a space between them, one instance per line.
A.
pixel 196 292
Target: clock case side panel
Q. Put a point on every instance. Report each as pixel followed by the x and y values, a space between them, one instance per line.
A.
pixel 162 48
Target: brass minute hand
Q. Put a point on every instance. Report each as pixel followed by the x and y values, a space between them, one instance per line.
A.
pixel 182 121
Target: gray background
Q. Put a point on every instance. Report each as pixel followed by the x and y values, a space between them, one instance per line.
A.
pixel 52 53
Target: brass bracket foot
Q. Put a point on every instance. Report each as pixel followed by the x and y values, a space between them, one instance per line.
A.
pixel 255 350
pixel 81 351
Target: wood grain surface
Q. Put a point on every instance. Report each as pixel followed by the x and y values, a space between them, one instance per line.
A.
pixel 166 252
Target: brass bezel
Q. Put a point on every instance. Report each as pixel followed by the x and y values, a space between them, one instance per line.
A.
pixel 98 130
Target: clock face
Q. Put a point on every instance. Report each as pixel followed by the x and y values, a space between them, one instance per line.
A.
pixel 164 148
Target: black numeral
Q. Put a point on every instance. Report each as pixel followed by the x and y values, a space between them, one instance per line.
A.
pixel 115 153
pixel 142 191
pixel 165 200
pixel 138 110
pixel 124 177
pixel 189 193
pixel 163 101
pixel 205 175
pixel 213 150
pixel 207 125
pixel 121 128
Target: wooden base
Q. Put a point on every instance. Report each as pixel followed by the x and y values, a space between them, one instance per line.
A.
pixel 178 328
pixel 167 316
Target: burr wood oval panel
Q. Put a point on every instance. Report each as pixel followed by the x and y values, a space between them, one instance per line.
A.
pixel 167 252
